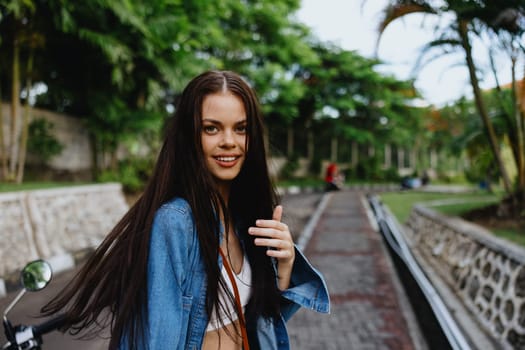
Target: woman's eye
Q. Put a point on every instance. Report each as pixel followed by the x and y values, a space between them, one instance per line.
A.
pixel 241 129
pixel 210 129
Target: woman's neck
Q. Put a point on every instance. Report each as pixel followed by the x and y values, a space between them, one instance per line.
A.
pixel 224 191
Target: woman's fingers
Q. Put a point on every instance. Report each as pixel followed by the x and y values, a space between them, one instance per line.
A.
pixel 278 213
pixel 275 235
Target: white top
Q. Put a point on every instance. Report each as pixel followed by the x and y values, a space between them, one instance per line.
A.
pixel 227 314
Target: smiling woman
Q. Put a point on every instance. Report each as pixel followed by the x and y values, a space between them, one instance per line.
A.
pixel 224 137
pixel 202 260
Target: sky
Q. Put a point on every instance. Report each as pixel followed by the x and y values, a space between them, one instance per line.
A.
pixel 352 25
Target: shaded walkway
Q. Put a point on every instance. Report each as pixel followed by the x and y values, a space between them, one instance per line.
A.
pixel 367 312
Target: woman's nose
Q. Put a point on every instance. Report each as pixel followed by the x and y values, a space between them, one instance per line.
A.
pixel 227 140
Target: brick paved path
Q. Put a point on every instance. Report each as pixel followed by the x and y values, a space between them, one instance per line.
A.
pixel 366 312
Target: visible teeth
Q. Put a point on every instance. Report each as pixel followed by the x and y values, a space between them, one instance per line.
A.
pixel 226 159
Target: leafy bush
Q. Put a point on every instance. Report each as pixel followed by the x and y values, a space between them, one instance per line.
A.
pixel 482 167
pixel 371 169
pixel 292 164
pixel 41 142
pixel 315 167
pixel 132 173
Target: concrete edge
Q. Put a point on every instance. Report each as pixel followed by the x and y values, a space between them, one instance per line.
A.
pixel 407 310
pixel 475 333
pixel 308 229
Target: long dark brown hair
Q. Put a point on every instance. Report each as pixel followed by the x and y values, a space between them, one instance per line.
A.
pixel 110 289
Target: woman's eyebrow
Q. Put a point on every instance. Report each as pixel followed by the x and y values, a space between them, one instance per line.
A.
pixel 209 120
pixel 214 121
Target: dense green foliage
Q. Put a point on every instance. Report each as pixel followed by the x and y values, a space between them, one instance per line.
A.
pixel 41 142
pixel 121 67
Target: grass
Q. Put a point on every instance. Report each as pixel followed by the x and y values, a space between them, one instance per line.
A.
pixel 12 187
pixel 401 203
pixel 510 235
pixel 459 209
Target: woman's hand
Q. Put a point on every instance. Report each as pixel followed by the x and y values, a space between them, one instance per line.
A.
pixel 277 237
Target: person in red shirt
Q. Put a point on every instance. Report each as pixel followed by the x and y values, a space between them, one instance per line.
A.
pixel 332 178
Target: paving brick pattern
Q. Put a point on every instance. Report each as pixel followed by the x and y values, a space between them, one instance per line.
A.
pixel 366 313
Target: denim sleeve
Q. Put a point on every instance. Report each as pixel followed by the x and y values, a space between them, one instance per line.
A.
pixel 169 306
pixel 307 289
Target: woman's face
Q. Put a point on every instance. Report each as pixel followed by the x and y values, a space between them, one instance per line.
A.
pixel 223 135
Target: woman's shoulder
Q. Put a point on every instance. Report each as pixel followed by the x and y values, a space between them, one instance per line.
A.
pixel 177 204
pixel 176 209
pixel 174 216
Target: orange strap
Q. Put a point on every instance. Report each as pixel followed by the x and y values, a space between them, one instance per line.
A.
pixel 246 345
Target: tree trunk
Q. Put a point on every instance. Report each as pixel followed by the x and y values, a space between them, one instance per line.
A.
pixel 113 160
pixel 3 155
pixel 493 141
pixel 290 141
pixel 15 101
pixel 520 156
pixel 333 149
pixel 94 156
pixel 388 156
pixel 400 158
pixel 355 154
pixel 521 108
pixel 310 142
pixel 25 122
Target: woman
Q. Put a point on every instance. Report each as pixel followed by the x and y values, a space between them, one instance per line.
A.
pixel 202 259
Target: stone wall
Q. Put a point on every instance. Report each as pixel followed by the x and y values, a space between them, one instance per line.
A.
pixel 53 224
pixel 487 273
pixel 69 131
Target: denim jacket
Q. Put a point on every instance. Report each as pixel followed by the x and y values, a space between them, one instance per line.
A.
pixel 177 317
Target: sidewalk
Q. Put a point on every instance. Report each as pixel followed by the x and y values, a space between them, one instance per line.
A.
pixel 369 309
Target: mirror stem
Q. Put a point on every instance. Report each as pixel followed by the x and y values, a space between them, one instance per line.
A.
pixel 13 303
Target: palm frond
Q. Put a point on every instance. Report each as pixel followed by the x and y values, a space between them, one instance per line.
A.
pixel 444 46
pixel 113 49
pixel 394 12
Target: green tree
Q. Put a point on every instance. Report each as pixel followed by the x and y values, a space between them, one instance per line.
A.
pixel 358 103
pixel 457 35
pixel 17 24
pixel 122 64
pixel 262 41
pixel 506 24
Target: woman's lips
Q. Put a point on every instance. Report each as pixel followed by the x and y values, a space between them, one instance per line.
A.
pixel 226 161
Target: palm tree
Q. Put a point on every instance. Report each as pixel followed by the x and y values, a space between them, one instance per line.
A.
pixel 508 29
pixel 457 36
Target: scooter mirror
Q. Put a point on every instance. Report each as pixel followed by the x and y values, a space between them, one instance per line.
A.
pixel 36 275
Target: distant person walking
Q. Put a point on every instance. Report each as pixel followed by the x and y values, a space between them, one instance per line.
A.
pixel 332 178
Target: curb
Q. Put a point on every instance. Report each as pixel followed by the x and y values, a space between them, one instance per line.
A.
pixel 308 230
